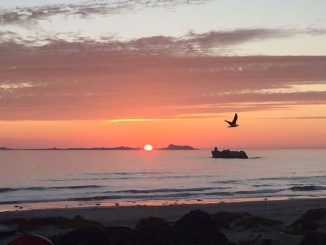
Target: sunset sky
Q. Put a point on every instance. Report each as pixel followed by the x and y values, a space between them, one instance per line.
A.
pixel 79 73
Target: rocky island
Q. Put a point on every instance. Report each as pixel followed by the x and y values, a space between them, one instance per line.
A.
pixel 178 147
pixel 229 154
pixel 4 148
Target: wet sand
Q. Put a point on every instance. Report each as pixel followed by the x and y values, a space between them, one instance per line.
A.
pixel 285 210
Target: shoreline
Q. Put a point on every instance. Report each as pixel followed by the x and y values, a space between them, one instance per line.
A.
pixel 286 210
pixel 46 205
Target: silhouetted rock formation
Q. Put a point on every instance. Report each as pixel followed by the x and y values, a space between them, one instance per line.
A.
pixel 197 227
pixel 194 228
pixel 242 221
pixel 229 154
pixel 152 231
pixel 85 236
pixel 313 220
pixel 314 238
pixel 178 147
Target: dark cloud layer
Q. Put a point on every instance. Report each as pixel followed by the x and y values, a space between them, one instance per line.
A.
pixel 237 36
pixel 91 81
pixel 50 78
pixel 210 43
pixel 28 15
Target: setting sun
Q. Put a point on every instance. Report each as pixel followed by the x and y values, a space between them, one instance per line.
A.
pixel 148 147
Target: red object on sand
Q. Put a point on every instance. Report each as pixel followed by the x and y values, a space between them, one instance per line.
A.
pixel 27 239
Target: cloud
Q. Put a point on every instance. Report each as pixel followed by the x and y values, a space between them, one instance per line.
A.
pixel 299 118
pixel 210 39
pixel 133 120
pixel 180 117
pixel 10 37
pixel 314 31
pixel 211 43
pixel 9 87
pixel 286 89
pixel 31 15
pixel 58 81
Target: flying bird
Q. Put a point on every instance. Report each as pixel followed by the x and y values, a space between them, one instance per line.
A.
pixel 233 124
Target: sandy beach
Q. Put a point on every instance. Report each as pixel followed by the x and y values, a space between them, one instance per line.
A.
pixel 285 210
pixel 284 221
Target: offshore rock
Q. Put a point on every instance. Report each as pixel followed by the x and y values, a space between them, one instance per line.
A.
pixel 229 154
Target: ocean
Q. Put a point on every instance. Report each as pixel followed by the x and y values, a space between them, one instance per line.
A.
pixel 50 179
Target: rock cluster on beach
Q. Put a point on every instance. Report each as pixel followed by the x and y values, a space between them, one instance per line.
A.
pixel 229 154
pixel 194 228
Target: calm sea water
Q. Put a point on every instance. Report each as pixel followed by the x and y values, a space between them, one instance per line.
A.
pixel 31 179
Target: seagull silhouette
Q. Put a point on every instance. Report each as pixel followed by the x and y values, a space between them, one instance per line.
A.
pixel 233 124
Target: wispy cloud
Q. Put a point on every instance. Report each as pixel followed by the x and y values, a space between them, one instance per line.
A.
pixel 47 85
pixel 286 89
pixel 215 110
pixel 18 85
pixel 132 120
pixel 211 43
pixel 298 118
pixel 31 15
pixel 180 117
pixel 210 39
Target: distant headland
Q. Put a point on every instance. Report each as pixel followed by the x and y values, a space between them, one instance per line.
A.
pixel 4 148
pixel 177 147
pixel 170 147
pixel 119 148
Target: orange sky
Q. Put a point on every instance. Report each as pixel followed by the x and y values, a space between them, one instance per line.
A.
pixel 83 74
pixel 57 100
pixel 255 131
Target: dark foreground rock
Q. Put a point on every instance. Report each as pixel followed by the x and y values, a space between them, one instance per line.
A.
pixel 83 237
pixel 63 223
pixel 242 221
pixel 313 220
pixel 197 227
pixel 194 228
pixel 314 238
pixel 152 231
pixel 229 154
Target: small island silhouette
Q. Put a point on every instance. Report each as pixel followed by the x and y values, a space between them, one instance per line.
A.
pixel 172 147
pixel 3 148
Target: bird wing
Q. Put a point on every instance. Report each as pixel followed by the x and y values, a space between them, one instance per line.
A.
pixel 228 122
pixel 235 118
